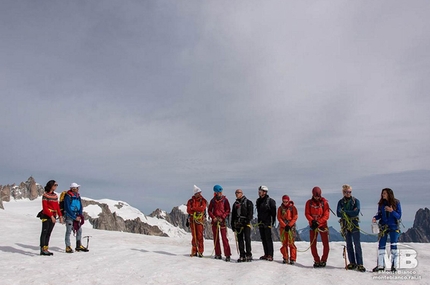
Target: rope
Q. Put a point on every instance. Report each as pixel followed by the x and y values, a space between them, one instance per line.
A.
pixel 350 226
pixel 198 217
pixel 315 238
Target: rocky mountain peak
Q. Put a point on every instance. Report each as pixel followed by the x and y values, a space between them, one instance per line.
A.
pixel 420 232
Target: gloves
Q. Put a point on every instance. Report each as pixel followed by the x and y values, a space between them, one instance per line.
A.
pixel 314 225
pixel 287 228
pixel 187 223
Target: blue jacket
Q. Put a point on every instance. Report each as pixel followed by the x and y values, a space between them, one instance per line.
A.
pixel 349 206
pixel 387 218
pixel 72 205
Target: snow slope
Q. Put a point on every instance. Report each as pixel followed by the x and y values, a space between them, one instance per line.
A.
pixel 127 212
pixel 117 257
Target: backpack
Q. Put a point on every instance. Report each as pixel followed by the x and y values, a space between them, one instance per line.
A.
pixel 62 196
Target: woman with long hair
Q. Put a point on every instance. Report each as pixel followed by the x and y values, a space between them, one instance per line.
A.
pixel 50 211
pixel 389 215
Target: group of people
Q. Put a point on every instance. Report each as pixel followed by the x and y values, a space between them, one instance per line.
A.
pixel 71 215
pixel 317 212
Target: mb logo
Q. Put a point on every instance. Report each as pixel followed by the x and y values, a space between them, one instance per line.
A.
pixel 406 257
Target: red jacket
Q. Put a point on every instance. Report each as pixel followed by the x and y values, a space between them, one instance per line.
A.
pixel 219 208
pixel 287 215
pixel 317 210
pixel 50 206
pixel 196 208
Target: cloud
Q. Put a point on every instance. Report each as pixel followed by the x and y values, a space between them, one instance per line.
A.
pixel 144 100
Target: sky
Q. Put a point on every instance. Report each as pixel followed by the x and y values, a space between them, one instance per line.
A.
pixel 140 100
pixel 125 258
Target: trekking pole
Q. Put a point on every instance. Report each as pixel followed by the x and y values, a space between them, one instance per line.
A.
pixel 216 238
pixel 235 237
pixel 88 240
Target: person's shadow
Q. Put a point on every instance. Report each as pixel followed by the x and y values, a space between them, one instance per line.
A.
pixel 20 251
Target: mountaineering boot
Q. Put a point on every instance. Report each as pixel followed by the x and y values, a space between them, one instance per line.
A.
pixel 227 258
pixel 80 247
pixel 377 269
pixel 69 249
pixel 248 258
pixel 200 254
pixel 242 259
pixel 264 257
pixel 361 268
pixel 269 258
pixel 322 264
pixel 393 269
pixel 284 261
pixel 351 266
pixel 292 262
pixel 44 251
pixel 218 257
pixel 316 264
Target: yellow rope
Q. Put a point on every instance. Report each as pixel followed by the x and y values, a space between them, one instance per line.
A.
pixel 315 238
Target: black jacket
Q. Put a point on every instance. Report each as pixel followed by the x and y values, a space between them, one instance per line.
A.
pixel 242 213
pixel 266 211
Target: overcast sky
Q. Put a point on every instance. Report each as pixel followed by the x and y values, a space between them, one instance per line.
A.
pixel 140 100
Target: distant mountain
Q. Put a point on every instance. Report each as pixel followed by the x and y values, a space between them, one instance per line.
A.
pixel 333 234
pixel 420 231
pixel 25 190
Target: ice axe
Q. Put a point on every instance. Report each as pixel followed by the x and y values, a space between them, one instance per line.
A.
pixel 88 240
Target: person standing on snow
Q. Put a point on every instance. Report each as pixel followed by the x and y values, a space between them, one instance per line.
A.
pixel 242 214
pixel 196 209
pixel 317 212
pixel 74 218
pixel 50 210
pixel 287 217
pixel 266 214
pixel 219 210
pixel 389 215
pixel 348 209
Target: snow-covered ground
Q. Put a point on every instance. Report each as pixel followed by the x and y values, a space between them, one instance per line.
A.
pixel 124 258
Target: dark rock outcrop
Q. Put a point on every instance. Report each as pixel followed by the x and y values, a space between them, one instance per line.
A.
pixel 420 231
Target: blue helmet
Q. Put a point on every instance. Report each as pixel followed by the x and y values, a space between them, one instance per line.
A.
pixel 217 188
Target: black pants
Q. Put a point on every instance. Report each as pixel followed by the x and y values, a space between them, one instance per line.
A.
pixel 266 239
pixel 47 227
pixel 244 234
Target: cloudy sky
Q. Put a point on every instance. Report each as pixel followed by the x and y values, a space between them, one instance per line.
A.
pixel 140 100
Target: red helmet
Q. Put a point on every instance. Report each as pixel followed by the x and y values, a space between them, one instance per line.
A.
pixel 285 198
pixel 316 191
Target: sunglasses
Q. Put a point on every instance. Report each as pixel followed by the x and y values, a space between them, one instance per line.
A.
pixel 238 192
pixel 55 184
pixel 347 192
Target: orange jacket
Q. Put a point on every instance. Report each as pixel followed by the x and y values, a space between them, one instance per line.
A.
pixel 317 210
pixel 196 208
pixel 287 215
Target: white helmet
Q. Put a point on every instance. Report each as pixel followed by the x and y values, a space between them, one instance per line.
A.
pixel 263 188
